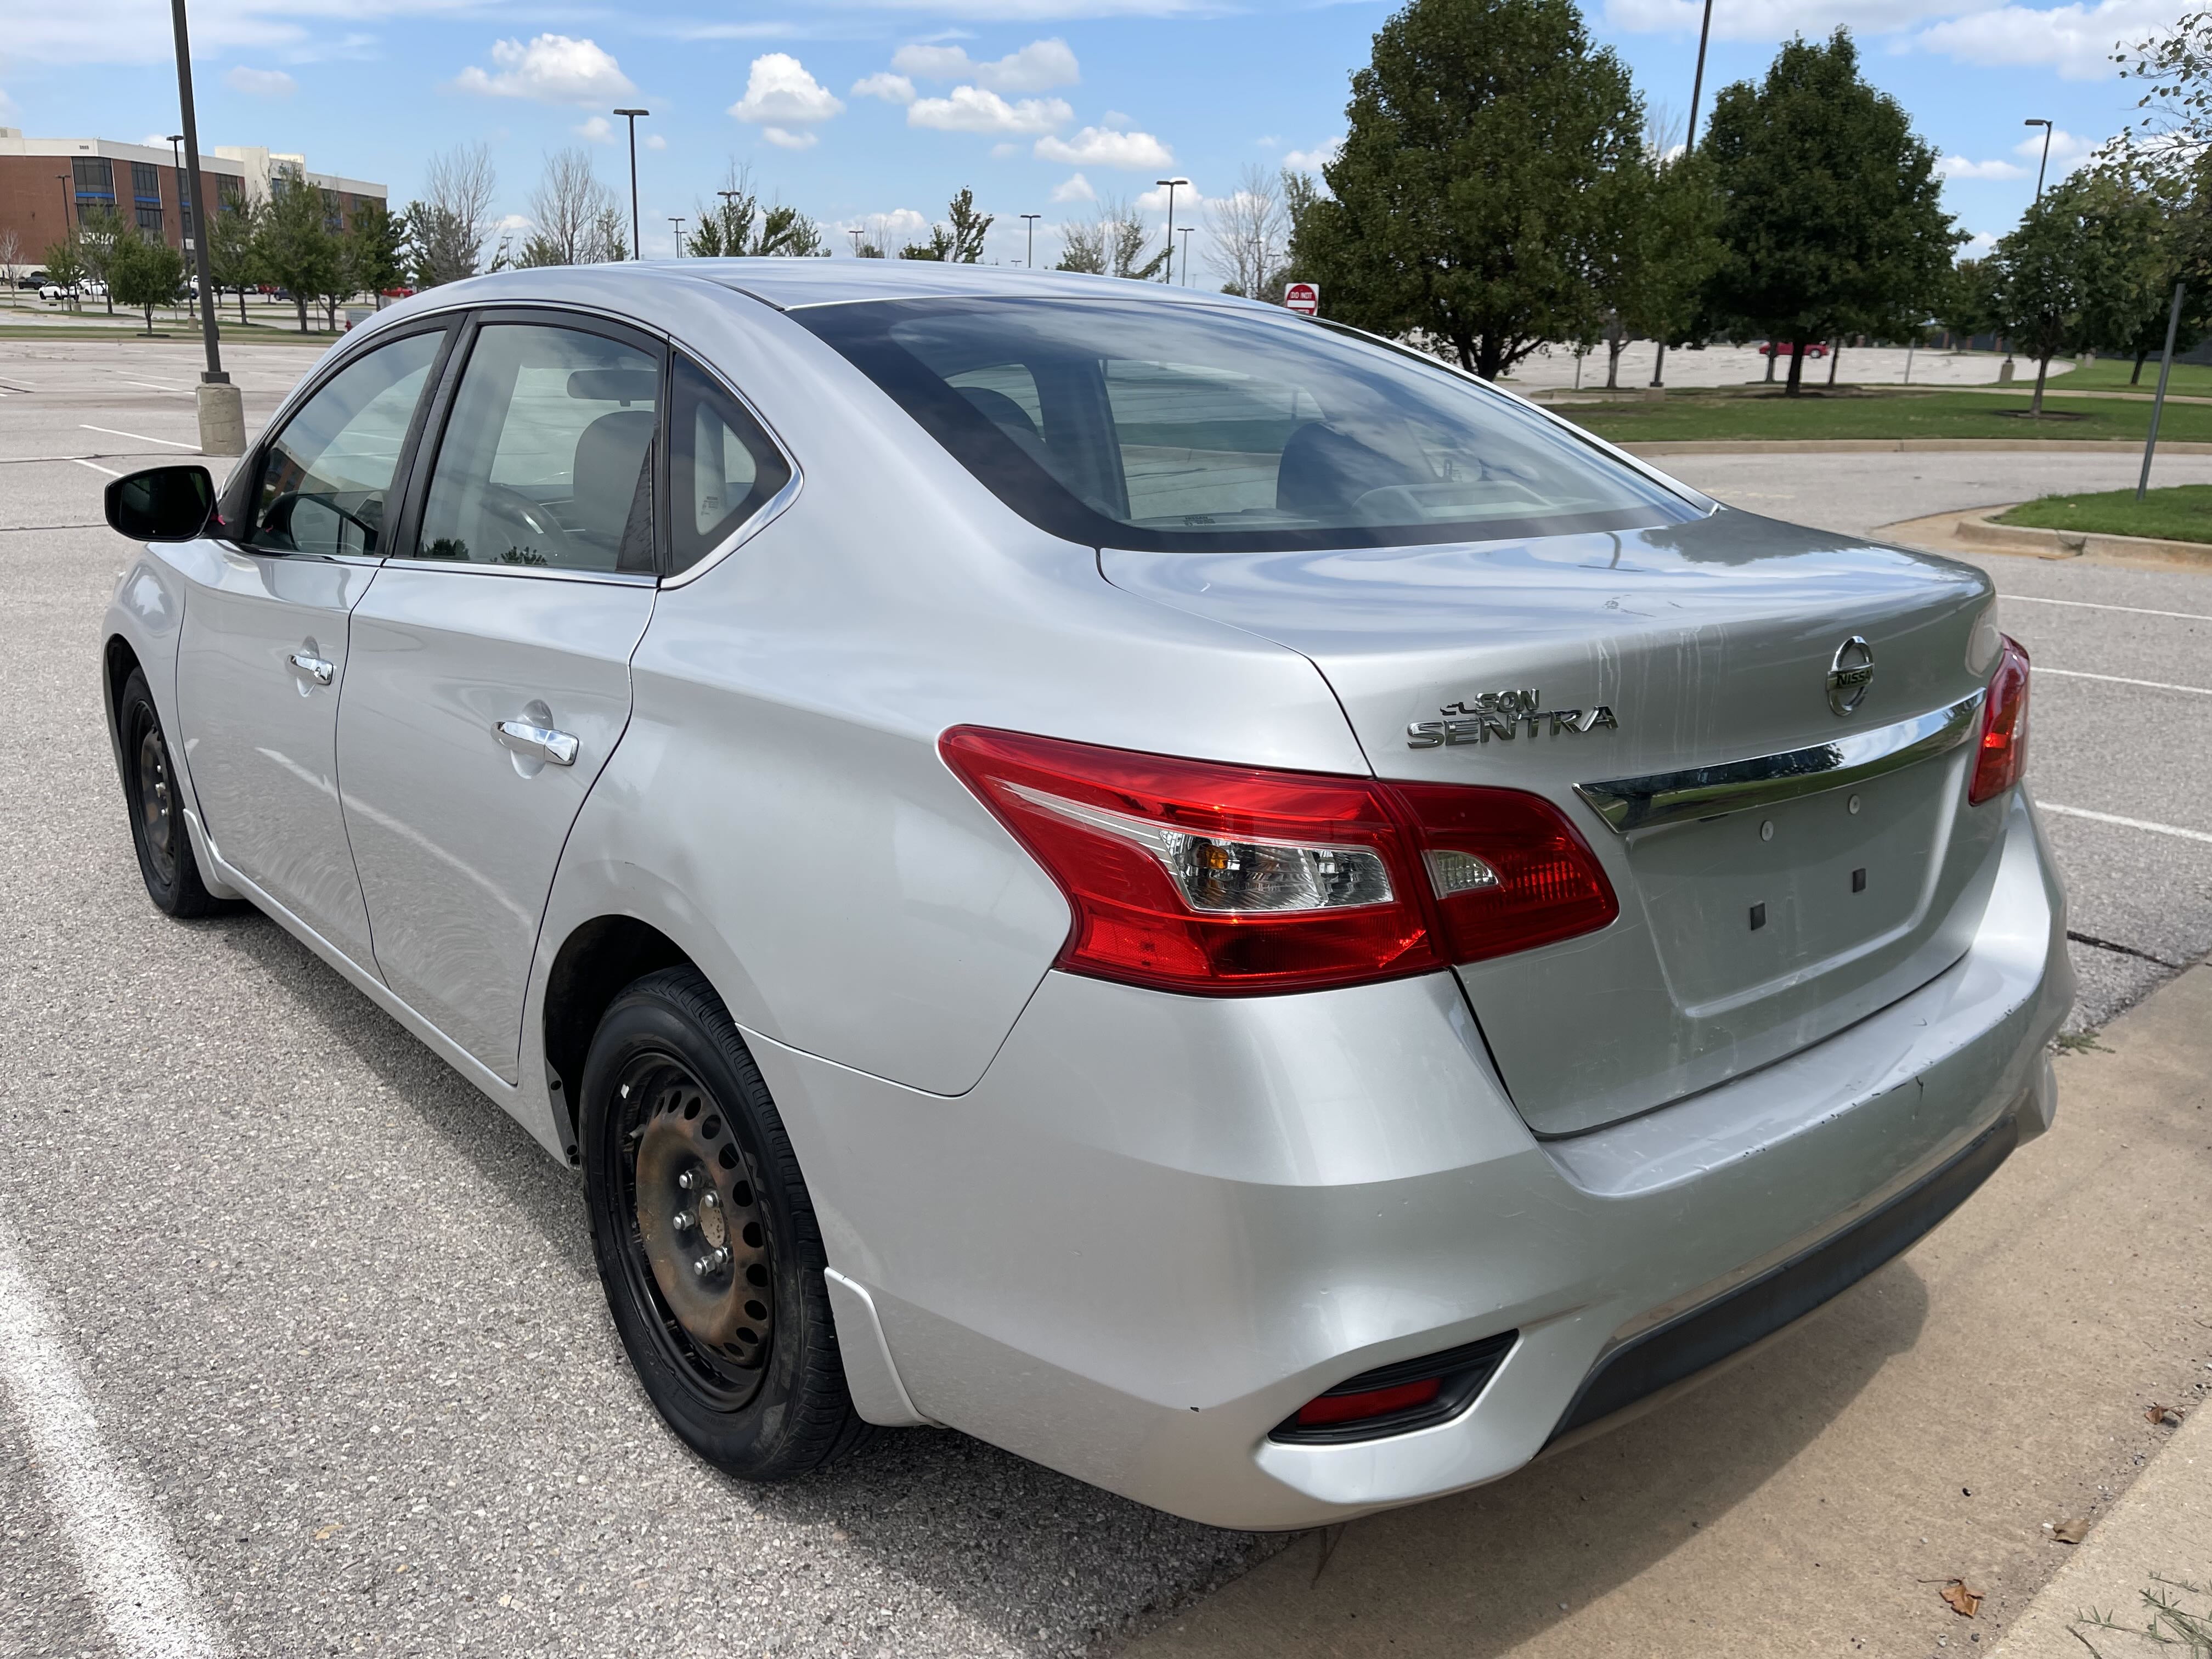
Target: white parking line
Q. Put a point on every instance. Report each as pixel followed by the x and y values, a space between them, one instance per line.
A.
pixel 94 466
pixel 2089 604
pixel 140 436
pixel 124 1553
pixel 2122 679
pixel 2127 824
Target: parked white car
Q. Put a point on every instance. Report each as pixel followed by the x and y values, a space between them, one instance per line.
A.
pixel 1189 892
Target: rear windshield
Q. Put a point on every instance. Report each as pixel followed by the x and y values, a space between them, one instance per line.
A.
pixel 1166 428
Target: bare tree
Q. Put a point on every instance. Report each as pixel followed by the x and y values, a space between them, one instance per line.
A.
pixel 1112 246
pixel 1083 247
pixel 11 256
pixel 569 204
pixel 1250 233
pixel 744 225
pixel 458 187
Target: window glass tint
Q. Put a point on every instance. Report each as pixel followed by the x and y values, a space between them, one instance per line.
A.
pixel 724 469
pixel 547 458
pixel 1151 426
pixel 325 478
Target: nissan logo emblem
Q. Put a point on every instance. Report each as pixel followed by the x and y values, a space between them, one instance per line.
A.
pixel 1849 675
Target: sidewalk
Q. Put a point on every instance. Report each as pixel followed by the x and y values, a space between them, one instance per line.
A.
pixel 1933 1422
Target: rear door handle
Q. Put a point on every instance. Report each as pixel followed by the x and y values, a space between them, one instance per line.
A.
pixel 313 667
pixel 537 741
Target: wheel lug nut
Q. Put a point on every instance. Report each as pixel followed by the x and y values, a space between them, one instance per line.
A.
pixel 708 1201
pixel 684 1221
pixel 708 1262
pixel 688 1179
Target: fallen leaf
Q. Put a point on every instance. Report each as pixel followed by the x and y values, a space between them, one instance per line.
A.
pixel 323 1533
pixel 2071 1531
pixel 1963 1602
pixel 2166 1416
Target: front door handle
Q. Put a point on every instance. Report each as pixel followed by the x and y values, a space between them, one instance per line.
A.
pixel 536 742
pixel 315 668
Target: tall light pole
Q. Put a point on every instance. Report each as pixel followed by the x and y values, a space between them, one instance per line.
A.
pixel 637 248
pixel 64 178
pixel 1689 143
pixel 679 223
pixel 221 407
pixel 2037 121
pixel 1170 184
pixel 730 248
pixel 1032 218
pixel 184 202
pixel 855 234
pixel 1186 255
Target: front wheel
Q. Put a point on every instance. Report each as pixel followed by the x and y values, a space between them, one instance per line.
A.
pixel 705 1239
pixel 157 811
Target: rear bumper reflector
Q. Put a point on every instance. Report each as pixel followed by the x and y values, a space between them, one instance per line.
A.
pixel 1707 1334
pixel 1396 1398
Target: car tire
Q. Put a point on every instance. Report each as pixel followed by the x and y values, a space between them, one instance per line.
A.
pixel 686 1160
pixel 166 860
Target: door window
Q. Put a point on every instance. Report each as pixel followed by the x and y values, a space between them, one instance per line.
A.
pixel 725 468
pixel 324 481
pixel 548 454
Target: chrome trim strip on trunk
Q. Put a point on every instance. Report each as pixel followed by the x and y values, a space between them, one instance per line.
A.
pixel 1711 792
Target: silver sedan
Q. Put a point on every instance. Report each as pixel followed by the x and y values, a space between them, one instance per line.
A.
pixel 1180 888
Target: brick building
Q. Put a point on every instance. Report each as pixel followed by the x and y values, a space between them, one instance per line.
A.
pixel 47 184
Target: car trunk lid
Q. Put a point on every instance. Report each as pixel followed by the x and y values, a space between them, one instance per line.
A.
pixel 1671 690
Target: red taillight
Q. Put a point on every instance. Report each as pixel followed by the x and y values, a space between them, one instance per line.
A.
pixel 2001 754
pixel 1193 876
pixel 1370 1402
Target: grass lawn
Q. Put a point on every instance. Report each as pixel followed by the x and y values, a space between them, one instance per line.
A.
pixel 187 331
pixel 2111 375
pixel 2181 514
pixel 1880 414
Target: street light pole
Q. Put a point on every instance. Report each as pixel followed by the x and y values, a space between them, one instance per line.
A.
pixel 1032 218
pixel 1689 143
pixel 64 178
pixel 1170 184
pixel 1186 255
pixel 184 199
pixel 855 234
pixel 637 247
pixel 2037 121
pixel 679 223
pixel 221 407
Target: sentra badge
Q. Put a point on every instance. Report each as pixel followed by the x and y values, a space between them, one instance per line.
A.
pixel 1504 715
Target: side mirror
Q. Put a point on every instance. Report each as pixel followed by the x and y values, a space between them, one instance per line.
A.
pixel 161 504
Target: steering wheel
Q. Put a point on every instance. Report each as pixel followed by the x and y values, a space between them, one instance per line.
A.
pixel 539 535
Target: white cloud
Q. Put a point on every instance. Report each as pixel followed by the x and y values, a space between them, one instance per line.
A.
pixel 152 140
pixel 779 92
pixel 1000 152
pixel 1074 189
pixel 971 109
pixel 783 138
pixel 1104 147
pixel 552 69
pixel 1980 245
pixel 1314 160
pixel 259 82
pixel 1038 66
pixel 1186 199
pixel 598 130
pixel 2076 40
pixel 2065 147
pixel 891 88
pixel 654 140
pixel 1958 167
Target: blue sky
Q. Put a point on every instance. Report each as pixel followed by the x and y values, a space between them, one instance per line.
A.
pixel 875 111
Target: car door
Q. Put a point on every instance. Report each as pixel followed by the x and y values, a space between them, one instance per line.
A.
pixel 262 653
pixel 489 674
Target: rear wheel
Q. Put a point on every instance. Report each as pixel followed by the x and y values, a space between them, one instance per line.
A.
pixel 705 1239
pixel 157 813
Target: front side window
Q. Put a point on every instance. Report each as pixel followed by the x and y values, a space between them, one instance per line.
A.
pixel 547 455
pixel 1162 427
pixel 327 478
pixel 723 469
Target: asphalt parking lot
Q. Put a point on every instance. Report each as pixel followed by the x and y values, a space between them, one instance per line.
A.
pixel 321 1324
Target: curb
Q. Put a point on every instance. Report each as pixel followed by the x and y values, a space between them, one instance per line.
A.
pixel 1981 529
pixel 1904 447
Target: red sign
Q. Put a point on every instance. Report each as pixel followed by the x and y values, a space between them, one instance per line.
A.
pixel 1304 298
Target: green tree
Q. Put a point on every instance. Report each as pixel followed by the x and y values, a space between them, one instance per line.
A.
pixel 959 241
pixel 745 226
pixel 1490 151
pixel 100 233
pixel 1966 303
pixel 2079 272
pixel 1832 217
pixel 233 252
pixel 375 249
pixel 65 265
pixel 1676 251
pixel 145 273
pixel 292 243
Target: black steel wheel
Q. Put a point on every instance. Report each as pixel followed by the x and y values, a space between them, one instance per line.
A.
pixel 157 814
pixel 705 1239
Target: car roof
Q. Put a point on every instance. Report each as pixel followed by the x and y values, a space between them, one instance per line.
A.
pixel 793 284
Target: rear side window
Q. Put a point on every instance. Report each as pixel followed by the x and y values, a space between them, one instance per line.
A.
pixel 723 468
pixel 1165 426
pixel 326 479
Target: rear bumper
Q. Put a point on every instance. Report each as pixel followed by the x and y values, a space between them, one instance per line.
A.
pixel 1158 1225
